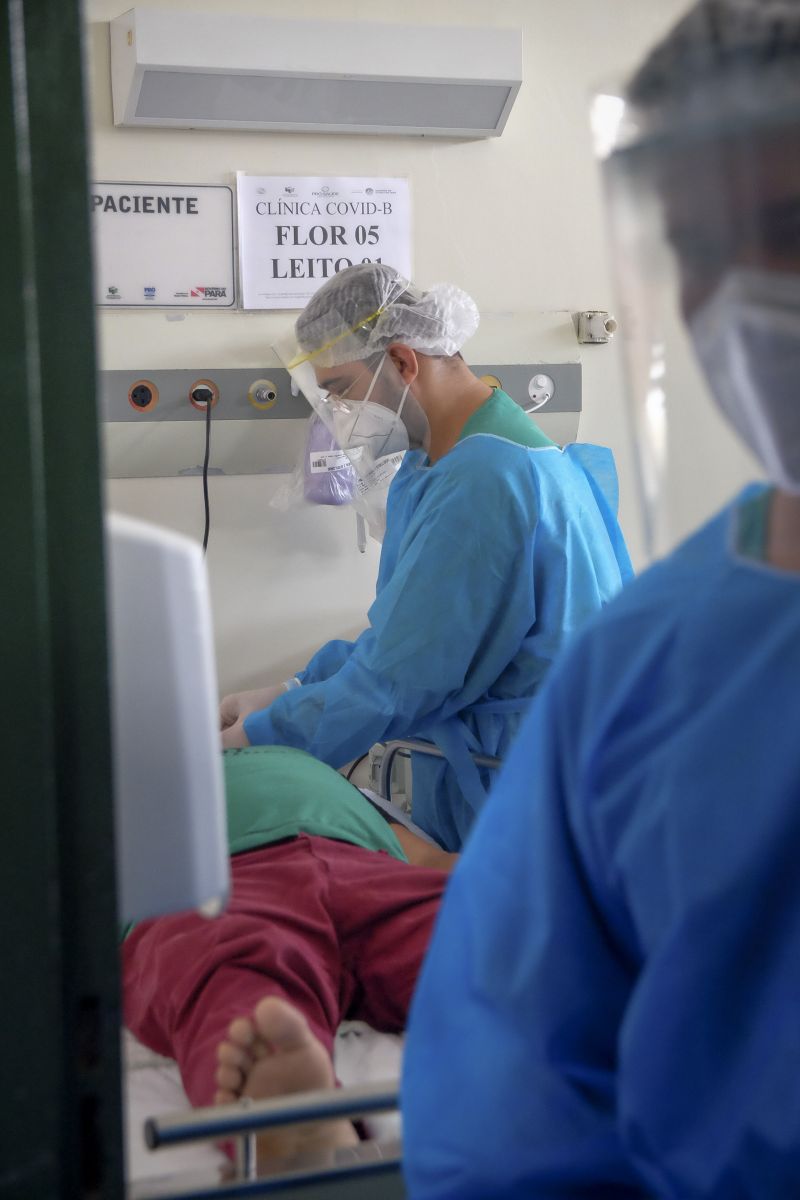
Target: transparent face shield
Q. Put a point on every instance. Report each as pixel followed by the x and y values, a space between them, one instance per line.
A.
pixel 705 238
pixel 369 409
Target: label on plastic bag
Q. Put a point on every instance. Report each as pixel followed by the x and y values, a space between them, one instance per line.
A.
pixel 327 461
pixel 381 474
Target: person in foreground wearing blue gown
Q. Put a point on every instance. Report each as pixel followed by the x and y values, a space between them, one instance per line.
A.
pixel 610 1002
pixel 498 544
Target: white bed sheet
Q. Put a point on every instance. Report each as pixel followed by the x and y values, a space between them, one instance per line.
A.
pixel 152 1087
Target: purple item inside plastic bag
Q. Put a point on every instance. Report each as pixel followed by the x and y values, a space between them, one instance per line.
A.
pixel 328 475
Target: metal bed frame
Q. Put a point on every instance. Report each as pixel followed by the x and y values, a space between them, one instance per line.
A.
pixel 349 1174
pixel 408 746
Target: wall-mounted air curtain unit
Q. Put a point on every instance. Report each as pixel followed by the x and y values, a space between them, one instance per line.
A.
pixel 201 70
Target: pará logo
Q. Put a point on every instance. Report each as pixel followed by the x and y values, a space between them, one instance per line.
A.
pixel 210 293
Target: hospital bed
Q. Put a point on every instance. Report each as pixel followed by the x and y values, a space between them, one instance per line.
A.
pixel 171 658
pixel 170 1148
pixel 164 697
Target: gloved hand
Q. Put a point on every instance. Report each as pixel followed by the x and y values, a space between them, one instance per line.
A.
pixel 237 706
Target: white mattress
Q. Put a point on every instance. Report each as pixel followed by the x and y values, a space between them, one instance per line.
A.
pixel 153 1087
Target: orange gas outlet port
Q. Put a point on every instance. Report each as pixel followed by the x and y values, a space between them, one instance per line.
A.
pixel 201 391
pixel 143 395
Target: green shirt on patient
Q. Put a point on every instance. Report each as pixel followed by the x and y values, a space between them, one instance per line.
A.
pixel 503 417
pixel 275 792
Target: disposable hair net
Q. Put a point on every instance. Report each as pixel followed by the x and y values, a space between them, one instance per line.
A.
pixel 365 308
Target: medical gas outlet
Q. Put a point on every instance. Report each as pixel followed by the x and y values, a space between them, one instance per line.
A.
pixel 262 394
pixel 202 393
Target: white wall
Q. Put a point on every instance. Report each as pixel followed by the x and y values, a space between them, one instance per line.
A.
pixel 515 220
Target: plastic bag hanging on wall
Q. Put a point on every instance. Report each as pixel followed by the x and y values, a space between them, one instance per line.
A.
pixel 324 474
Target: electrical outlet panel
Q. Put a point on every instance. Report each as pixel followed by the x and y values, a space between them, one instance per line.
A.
pixel 154 420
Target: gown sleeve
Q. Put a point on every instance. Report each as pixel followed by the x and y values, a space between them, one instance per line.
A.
pixel 329 659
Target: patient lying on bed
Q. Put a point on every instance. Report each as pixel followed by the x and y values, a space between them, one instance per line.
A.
pixel 330 915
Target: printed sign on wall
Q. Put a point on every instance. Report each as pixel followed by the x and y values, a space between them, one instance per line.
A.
pixel 163 245
pixel 296 232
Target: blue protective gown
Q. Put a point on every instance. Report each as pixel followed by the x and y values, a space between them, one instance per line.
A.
pixel 492 556
pixel 611 1002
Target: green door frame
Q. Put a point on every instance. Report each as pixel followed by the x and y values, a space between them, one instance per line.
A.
pixel 60 1135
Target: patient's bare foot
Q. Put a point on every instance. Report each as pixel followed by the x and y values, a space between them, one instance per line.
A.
pixel 274 1053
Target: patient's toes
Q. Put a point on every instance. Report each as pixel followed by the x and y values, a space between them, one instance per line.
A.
pixel 231 1055
pixel 229 1079
pixel 242 1032
pixel 234 1062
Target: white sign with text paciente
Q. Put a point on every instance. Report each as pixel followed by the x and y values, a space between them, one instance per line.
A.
pixel 163 245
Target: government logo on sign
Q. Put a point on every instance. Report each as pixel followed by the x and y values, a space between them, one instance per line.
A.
pixel 210 293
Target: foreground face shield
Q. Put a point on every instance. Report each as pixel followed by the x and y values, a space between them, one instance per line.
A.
pixel 704 208
pixel 370 412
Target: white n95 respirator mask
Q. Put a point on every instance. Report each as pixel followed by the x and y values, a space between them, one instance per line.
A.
pixel 747 338
pixel 372 428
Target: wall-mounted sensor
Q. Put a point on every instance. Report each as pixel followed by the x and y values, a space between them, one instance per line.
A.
pixel 596 326
pixel 541 389
pixel 143 395
pixel 202 393
pixel 262 394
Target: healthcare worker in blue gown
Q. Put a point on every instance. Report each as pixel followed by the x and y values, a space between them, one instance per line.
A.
pixel 497 545
pixel 610 1005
